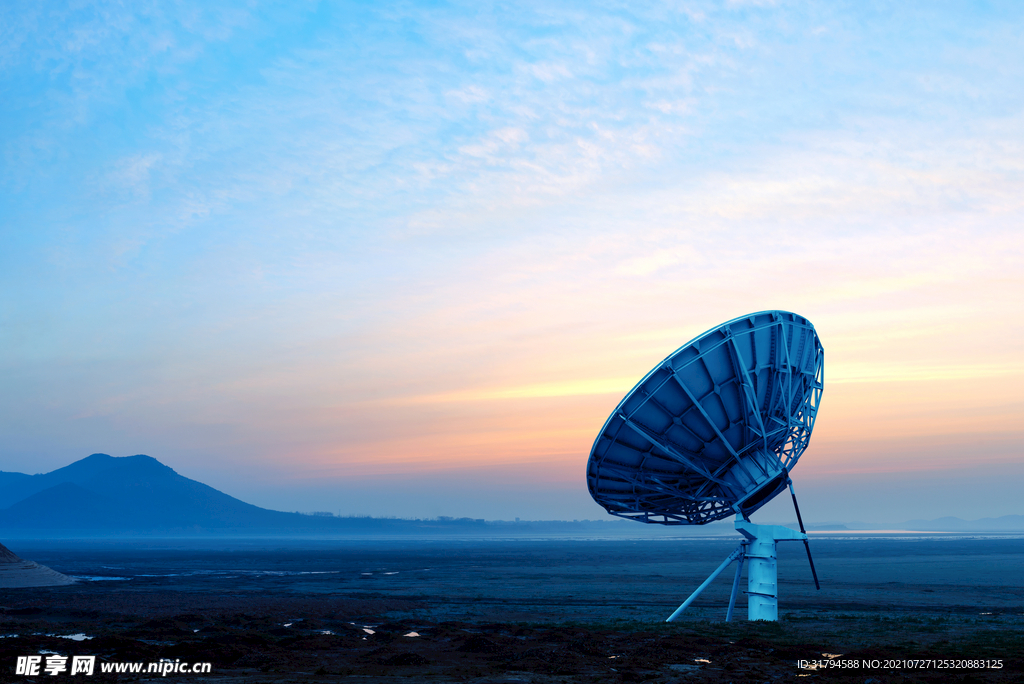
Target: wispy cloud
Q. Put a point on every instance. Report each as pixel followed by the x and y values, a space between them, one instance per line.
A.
pixel 569 388
pixel 406 237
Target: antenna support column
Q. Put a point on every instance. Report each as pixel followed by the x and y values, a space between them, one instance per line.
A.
pixel 762 567
pixel 735 555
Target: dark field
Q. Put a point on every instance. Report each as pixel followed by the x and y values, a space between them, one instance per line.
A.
pixel 519 611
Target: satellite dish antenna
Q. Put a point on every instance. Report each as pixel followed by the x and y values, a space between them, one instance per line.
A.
pixel 714 431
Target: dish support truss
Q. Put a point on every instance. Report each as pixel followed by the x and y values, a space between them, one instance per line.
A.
pixel 763 575
pixel 714 429
pixel 759 551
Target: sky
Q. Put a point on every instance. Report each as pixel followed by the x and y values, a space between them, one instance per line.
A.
pixel 404 258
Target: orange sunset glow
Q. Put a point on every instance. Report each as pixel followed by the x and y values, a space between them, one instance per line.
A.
pixel 414 281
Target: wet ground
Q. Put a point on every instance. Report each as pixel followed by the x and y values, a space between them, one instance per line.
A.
pixel 520 610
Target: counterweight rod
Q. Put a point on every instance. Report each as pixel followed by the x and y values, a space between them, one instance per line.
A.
pixel 807 546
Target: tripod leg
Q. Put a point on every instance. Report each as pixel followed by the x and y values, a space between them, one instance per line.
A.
pixel 679 611
pixel 735 585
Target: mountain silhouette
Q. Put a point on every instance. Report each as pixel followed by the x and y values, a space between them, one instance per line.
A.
pixel 1006 523
pixel 101 493
pixel 137 495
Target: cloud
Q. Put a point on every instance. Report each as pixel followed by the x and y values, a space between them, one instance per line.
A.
pixel 646 265
pixel 133 173
pixel 568 388
pixel 409 237
pixel 901 373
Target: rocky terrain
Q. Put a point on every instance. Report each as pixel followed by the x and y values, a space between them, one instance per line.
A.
pixel 512 612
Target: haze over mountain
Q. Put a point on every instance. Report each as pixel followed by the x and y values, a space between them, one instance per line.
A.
pixel 133 493
pixel 103 495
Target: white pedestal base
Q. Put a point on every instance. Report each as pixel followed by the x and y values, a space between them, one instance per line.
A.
pixel 762 572
pixel 762 567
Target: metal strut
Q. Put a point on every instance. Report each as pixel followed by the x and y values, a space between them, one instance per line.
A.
pixel 758 551
pixel 736 580
pixel 807 546
pixel 735 555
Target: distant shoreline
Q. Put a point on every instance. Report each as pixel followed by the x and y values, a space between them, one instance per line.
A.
pixel 248 538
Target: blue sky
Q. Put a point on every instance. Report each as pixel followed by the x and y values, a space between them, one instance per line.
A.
pixel 404 258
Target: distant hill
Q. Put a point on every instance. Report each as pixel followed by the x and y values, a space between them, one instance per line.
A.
pixel 101 495
pixel 137 495
pixel 1006 523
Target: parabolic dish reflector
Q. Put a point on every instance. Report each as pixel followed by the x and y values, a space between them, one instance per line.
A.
pixel 716 427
